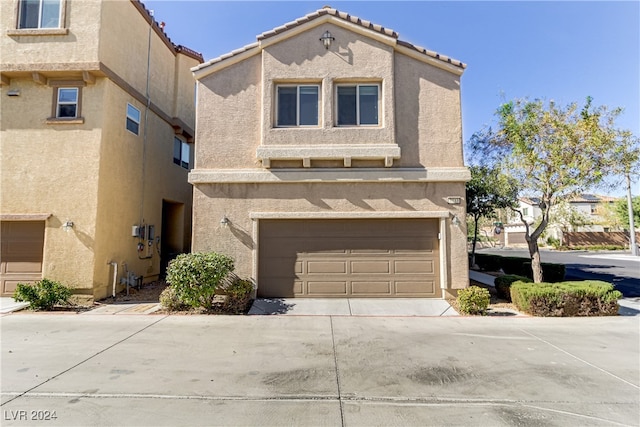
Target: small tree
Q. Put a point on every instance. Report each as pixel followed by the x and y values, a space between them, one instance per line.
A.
pixel 488 191
pixel 554 152
pixel 622 211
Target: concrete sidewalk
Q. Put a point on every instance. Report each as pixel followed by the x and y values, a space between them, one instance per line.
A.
pixel 145 370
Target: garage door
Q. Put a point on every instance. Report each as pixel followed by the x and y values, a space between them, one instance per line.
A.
pixel 516 238
pixel 21 253
pixel 348 258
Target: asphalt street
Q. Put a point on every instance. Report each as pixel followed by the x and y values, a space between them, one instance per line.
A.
pixel 618 268
pixel 155 370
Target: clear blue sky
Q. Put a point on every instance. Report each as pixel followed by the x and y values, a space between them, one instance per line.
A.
pixel 560 50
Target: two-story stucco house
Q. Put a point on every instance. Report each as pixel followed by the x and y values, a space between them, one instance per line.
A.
pixel 329 162
pixel 97 131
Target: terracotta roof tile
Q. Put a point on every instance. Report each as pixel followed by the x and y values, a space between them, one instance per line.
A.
pixel 327 11
pixel 342 15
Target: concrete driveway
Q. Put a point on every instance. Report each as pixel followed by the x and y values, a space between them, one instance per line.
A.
pixel 152 370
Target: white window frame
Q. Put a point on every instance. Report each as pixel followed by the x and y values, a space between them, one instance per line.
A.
pixel 181 160
pixel 357 85
pixel 133 119
pixel 59 103
pixel 21 3
pixel 297 86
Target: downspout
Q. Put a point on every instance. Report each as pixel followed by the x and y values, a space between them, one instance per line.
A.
pixel 115 277
pixel 146 119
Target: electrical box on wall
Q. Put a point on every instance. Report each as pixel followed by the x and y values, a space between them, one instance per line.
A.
pixel 144 232
pixel 139 231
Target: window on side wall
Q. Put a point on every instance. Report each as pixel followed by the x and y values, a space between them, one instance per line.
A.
pixel 358 104
pixel 39 14
pixel 297 105
pixel 181 152
pixel 67 102
pixel 133 119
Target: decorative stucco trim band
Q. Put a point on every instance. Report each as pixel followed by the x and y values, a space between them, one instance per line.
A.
pixel 25 217
pixel 388 152
pixel 245 176
pixel 349 215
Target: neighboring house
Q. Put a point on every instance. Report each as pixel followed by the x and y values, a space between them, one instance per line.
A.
pixel 329 162
pixel 97 135
pixel 581 213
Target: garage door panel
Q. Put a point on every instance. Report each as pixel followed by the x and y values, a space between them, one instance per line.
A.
pixel 415 288
pixel 322 288
pixel 414 267
pixel 370 267
pixel 371 288
pixel 338 258
pixel 326 267
pixel 23 267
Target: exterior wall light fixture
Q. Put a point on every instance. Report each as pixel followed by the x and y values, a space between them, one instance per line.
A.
pixel 455 220
pixel 326 39
pixel 225 221
pixel 67 225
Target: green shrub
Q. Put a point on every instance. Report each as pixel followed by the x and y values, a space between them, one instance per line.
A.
pixel 553 242
pixel 473 300
pixel 585 298
pixel 503 284
pixel 170 301
pixel 197 277
pixel 597 248
pixel 239 292
pixel 43 295
pixel 551 273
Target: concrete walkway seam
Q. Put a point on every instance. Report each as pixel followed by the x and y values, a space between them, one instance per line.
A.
pixel 83 361
pixel 581 360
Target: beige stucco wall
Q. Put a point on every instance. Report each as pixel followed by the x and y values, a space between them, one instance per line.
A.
pixel 228 117
pixel 134 180
pixel 238 201
pixel 94 173
pixel 80 44
pixel 51 168
pixel 428 115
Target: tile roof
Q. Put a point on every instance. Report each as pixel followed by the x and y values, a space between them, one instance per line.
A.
pixel 340 15
pixel 158 28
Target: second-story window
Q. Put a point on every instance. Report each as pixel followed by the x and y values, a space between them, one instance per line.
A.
pixel 133 119
pixel 67 103
pixel 357 104
pixel 297 105
pixel 39 14
pixel 181 152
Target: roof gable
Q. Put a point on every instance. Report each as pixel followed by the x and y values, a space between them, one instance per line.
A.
pixel 319 17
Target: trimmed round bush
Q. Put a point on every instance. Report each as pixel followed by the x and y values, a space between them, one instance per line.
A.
pixel 197 277
pixel 473 300
pixel 43 295
pixel 503 284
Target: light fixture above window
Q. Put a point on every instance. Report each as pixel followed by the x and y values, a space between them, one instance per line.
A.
pixel 326 39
